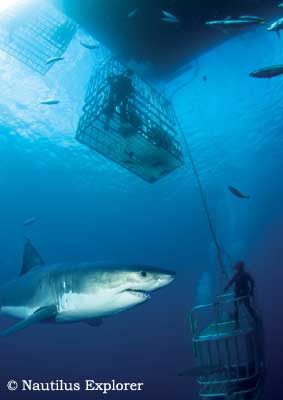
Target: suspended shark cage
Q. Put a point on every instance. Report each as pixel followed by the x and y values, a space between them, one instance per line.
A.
pixel 34 32
pixel 229 355
pixel 141 140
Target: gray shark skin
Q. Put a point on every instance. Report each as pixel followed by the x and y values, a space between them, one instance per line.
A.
pixel 76 293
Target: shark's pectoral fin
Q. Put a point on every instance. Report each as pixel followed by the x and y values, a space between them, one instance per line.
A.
pixel 278 34
pixel 40 315
pixel 94 322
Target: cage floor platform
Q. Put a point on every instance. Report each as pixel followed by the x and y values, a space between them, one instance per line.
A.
pixel 213 390
pixel 221 330
pixel 249 389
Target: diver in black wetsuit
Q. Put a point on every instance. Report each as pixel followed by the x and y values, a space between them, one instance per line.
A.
pixel 121 89
pixel 243 288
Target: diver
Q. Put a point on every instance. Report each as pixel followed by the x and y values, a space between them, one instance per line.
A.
pixel 121 89
pixel 243 289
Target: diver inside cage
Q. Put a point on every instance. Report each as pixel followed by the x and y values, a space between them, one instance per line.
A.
pixel 161 138
pixel 244 286
pixel 121 90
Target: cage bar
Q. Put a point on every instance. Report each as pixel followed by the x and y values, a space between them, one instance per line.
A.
pixel 34 33
pixel 142 138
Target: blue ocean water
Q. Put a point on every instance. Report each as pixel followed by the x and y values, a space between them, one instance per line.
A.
pixel 90 209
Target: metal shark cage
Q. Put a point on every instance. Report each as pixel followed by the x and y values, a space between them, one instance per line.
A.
pixel 34 33
pixel 145 142
pixel 229 355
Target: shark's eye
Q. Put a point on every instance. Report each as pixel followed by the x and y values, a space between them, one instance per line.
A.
pixel 143 274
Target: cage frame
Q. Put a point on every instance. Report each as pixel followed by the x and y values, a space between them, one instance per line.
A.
pixel 153 124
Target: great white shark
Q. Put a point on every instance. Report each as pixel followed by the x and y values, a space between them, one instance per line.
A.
pixel 75 293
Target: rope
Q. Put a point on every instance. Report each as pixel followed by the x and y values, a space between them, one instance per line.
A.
pixel 220 251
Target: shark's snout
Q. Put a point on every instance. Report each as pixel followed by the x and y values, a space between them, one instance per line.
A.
pixel 143 280
pixel 162 279
pixel 168 277
pixel 147 280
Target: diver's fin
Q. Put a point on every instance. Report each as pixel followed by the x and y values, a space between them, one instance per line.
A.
pixel 95 322
pixel 31 258
pixel 40 315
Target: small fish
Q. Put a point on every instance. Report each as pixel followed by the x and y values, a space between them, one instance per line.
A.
pixel 30 221
pixel 268 72
pixel 232 23
pixel 237 193
pixel 171 18
pixel 133 13
pixel 170 21
pixel 90 46
pixel 255 18
pixel 50 102
pixel 277 26
pixel 53 60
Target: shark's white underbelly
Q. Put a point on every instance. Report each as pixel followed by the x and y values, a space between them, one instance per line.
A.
pixel 72 306
pixel 78 306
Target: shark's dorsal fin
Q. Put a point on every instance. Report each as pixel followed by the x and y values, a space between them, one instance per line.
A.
pixel 31 258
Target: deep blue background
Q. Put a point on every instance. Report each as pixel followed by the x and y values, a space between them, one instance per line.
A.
pixel 90 209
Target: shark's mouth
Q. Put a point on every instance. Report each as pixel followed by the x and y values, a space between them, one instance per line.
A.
pixel 139 293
